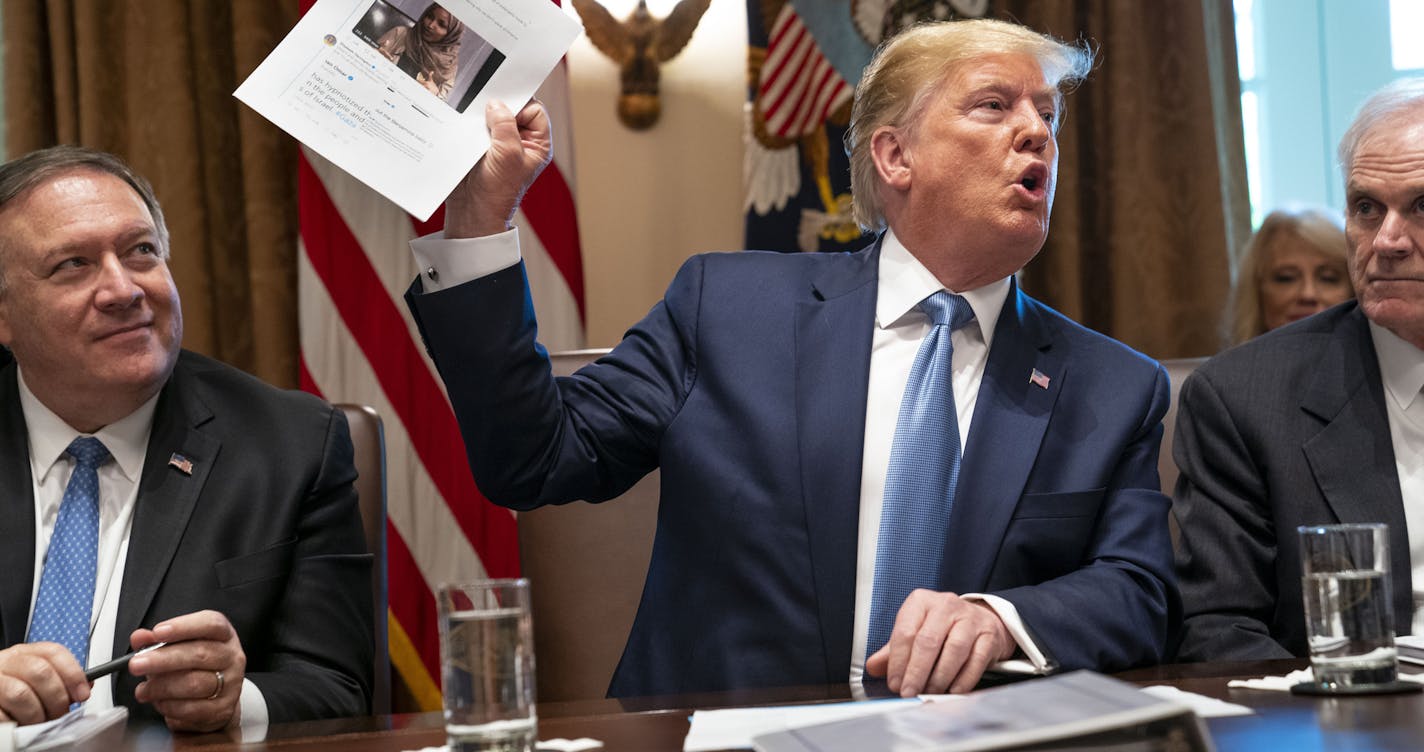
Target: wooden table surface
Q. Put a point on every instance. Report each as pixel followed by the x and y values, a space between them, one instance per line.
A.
pixel 1281 722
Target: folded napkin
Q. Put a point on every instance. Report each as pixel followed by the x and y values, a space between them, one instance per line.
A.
pixel 1284 683
pixel 1203 706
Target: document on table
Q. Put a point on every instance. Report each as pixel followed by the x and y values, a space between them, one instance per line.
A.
pixel 79 729
pixel 1096 710
pixel 352 83
pixel 734 728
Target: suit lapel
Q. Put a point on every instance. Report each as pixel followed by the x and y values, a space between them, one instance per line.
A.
pixel 1352 457
pixel 832 363
pixel 166 499
pixel 17 513
pixel 1009 421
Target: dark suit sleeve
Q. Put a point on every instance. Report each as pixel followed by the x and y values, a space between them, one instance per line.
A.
pixel 532 439
pixel 319 661
pixel 1117 608
pixel 1227 549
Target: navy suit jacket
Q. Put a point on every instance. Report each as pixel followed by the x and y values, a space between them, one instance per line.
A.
pixel 747 386
pixel 264 529
pixel 1286 430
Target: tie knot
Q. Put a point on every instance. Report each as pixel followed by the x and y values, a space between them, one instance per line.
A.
pixel 88 451
pixel 946 308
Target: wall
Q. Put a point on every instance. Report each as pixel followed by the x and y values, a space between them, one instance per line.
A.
pixel 649 199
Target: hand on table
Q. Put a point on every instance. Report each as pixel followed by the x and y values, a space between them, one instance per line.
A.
pixel 940 643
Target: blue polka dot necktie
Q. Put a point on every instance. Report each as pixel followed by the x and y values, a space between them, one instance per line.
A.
pixel 66 597
pixel 923 471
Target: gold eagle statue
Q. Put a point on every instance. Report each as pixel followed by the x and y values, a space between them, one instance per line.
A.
pixel 638 45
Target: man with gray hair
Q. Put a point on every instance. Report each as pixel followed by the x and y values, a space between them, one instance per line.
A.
pixel 889 462
pixel 1318 422
pixel 152 495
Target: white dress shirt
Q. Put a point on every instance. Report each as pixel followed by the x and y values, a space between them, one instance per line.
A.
pixel 903 283
pixel 1402 371
pixel 899 329
pixel 50 468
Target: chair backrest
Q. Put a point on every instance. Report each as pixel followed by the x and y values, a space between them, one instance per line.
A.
pixel 368 438
pixel 1177 370
pixel 586 564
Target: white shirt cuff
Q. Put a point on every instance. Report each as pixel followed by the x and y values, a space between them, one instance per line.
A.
pixel 447 263
pixel 252 712
pixel 1033 661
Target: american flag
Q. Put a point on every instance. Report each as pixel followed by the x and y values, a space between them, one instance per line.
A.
pixel 1038 378
pixel 798 85
pixel 181 463
pixel 359 345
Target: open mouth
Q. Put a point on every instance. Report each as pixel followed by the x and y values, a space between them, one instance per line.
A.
pixel 1034 178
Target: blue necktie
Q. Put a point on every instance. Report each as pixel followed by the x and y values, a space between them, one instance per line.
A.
pixel 924 468
pixel 66 596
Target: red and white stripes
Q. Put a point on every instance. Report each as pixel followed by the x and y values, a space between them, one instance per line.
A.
pixel 359 345
pixel 798 86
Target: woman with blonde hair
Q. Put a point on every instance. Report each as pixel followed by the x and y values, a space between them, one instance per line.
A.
pixel 1293 266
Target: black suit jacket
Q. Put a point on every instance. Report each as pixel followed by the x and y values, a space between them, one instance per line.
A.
pixel 266 530
pixel 1286 430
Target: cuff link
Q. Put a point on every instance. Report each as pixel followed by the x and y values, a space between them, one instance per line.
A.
pixel 432 275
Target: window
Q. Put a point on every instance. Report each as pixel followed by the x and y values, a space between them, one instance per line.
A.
pixel 1305 66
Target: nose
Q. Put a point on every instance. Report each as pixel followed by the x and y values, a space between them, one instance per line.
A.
pixel 1393 239
pixel 1308 292
pixel 116 289
pixel 1034 133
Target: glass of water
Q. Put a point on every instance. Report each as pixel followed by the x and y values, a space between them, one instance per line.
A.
pixel 1349 617
pixel 487 660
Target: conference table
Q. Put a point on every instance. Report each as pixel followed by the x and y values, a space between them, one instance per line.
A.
pixel 1282 721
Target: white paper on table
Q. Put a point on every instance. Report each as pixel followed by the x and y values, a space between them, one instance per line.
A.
pixel 329 86
pixel 734 728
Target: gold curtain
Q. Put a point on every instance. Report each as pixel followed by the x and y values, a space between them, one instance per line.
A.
pixel 1151 205
pixel 152 81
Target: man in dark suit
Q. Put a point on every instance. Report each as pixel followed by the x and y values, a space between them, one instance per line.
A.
pixel 767 388
pixel 1318 422
pixel 222 516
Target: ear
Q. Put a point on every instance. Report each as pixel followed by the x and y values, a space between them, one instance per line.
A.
pixel 889 150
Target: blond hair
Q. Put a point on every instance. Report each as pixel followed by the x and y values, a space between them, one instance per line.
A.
pixel 1318 228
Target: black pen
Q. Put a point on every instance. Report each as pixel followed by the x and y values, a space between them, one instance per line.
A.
pixel 104 669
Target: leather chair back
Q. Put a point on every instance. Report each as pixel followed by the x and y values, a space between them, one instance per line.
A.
pixel 586 564
pixel 1178 370
pixel 368 438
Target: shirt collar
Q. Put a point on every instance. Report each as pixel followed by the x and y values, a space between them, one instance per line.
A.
pixel 126 439
pixel 904 282
pixel 1401 366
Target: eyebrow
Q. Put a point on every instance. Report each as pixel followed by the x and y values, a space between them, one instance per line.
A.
pixel 134 233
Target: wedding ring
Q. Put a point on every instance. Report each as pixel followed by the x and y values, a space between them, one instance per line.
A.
pixel 219 690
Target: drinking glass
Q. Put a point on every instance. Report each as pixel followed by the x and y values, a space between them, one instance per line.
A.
pixel 1349 616
pixel 487 661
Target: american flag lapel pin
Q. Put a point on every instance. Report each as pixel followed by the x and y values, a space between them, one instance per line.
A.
pixel 1039 379
pixel 184 465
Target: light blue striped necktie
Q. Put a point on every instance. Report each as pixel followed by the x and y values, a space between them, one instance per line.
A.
pixel 923 471
pixel 66 598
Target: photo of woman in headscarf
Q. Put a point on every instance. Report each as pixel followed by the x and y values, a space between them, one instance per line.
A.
pixel 429 51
